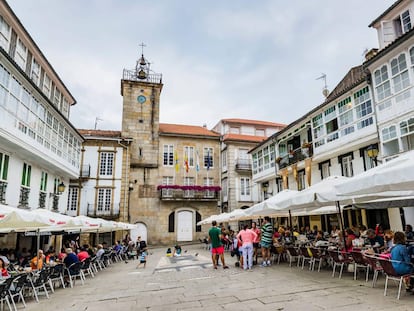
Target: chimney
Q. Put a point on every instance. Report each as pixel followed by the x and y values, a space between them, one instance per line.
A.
pixel 205 125
pixel 370 54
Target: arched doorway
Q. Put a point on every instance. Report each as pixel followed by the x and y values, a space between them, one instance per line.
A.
pixel 141 231
pixel 184 226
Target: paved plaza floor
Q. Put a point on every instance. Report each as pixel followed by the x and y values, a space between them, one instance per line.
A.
pixel 190 283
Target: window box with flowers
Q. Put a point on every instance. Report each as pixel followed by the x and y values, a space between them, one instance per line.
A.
pixel 193 188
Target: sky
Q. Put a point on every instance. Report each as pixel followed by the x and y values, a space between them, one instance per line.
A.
pixel 256 60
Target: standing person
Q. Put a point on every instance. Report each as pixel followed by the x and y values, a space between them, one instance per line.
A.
pixel 247 237
pixel 256 241
pixel 266 241
pixel 217 248
pixel 143 257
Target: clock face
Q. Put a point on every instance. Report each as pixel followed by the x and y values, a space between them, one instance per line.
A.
pixel 141 99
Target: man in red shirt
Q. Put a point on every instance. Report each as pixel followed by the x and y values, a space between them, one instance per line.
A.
pixel 83 254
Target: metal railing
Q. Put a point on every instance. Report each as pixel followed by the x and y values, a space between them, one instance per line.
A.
pixel 132 75
pixel 85 171
pixel 179 194
pixel 24 197
pixel 94 211
pixel 3 188
pixel 243 164
pixel 294 156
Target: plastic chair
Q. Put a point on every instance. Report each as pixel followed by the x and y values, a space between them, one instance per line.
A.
pixel 293 254
pixel 390 274
pixel 317 256
pixel 360 263
pixel 16 289
pixel 5 294
pixel 87 268
pixel 56 275
pixel 375 266
pixel 38 282
pixel 338 261
pixel 74 271
pixel 306 257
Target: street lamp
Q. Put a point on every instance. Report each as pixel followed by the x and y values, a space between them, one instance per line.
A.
pixel 130 188
pixel 61 188
pixel 265 186
pixel 372 152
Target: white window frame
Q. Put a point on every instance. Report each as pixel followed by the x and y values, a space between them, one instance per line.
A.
pixel 168 155
pixel 167 181
pixel 189 155
pixel 5 34
pixel 104 200
pixel 245 191
pixel 382 83
pixel 347 167
pixel 208 152
pixel 325 170
pixel 20 55
pixel 106 165
pixel 208 181
pixel 35 72
pixel 224 160
pixel 47 85
pixel 399 73
pixel 73 196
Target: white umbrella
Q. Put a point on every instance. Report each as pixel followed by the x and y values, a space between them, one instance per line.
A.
pixel 331 209
pixel 207 220
pixel 59 221
pixel 273 205
pixel 390 179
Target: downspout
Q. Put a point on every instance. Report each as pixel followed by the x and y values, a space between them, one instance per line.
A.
pixel 127 180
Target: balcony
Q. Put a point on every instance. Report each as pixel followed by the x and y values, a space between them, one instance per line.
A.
pixel 105 213
pixel 188 193
pixel 243 164
pixel 24 197
pixel 3 187
pixel 295 156
pixel 85 171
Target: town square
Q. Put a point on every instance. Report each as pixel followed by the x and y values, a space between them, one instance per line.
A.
pixel 178 155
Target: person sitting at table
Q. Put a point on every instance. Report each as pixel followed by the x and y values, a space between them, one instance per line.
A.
pixel 376 241
pixel 83 254
pixel 100 252
pixel 388 240
pixel 401 259
pixel 409 232
pixel 70 257
pixel 37 262
pixel 3 270
pixel 350 236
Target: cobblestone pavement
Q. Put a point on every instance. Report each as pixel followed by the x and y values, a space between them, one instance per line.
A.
pixel 190 283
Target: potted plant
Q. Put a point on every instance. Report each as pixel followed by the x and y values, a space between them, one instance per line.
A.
pixel 278 159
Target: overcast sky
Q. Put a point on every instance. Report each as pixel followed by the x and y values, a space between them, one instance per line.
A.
pixel 219 59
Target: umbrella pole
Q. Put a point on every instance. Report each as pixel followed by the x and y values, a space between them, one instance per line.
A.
pixel 38 247
pixel 341 222
pixel 290 220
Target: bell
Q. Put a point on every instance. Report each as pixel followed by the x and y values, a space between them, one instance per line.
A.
pixel 142 61
pixel 142 75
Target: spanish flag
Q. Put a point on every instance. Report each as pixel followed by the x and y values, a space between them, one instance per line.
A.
pixel 186 163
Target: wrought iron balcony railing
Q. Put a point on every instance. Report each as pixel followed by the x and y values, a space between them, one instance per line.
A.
pixel 294 156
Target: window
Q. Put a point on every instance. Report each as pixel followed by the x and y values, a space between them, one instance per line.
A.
pixel 171 222
pixel 279 184
pixel 72 199
pixel 208 181
pixel 4 166
pixel 188 181
pixel 406 21
pixel 20 55
pixel 224 160
pixel 208 158
pixel 26 174
pixel 104 199
pixel 35 72
pixel 325 169
pixel 260 132
pixel 189 156
pixel 346 118
pixel 5 32
pixel 43 182
pixel 301 180
pixel 347 169
pixel 224 189
pixel 399 71
pixel 407 127
pixel 198 219
pixel 167 181
pixel 47 85
pixel 330 113
pixel 382 83
pixel 317 123
pixel 56 98
pixel 331 126
pixel 235 130
pixel 389 133
pixel 244 188
pixel 364 123
pixel 168 155
pixel 107 163
pixel 344 105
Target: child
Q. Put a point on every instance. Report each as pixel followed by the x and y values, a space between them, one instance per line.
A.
pixel 143 257
pixel 169 252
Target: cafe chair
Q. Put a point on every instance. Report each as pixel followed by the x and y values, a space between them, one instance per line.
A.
pixel 38 282
pixel 306 256
pixel 375 266
pixel 86 268
pixel 360 263
pixel 56 275
pixel 338 260
pixel 74 271
pixel 5 294
pixel 390 274
pixel 293 255
pixel 317 256
pixel 16 289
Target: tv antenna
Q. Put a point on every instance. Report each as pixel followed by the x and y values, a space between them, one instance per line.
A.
pixel 96 121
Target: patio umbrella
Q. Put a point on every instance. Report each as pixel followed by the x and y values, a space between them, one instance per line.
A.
pixel 390 179
pixel 273 206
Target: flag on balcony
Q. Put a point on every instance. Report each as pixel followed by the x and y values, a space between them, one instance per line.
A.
pixel 197 162
pixel 177 165
pixel 186 163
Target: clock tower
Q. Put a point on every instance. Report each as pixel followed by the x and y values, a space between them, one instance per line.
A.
pixel 141 89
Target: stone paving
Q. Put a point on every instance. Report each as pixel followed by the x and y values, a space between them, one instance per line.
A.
pixel 190 283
